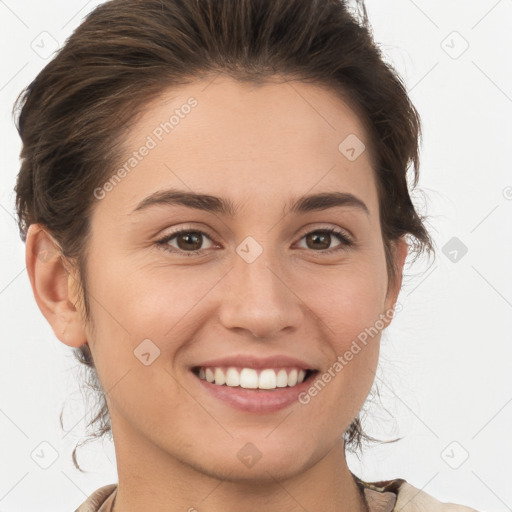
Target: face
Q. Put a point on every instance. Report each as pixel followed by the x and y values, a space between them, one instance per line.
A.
pixel 258 279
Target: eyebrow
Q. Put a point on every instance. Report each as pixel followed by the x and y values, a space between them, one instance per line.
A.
pixel 223 206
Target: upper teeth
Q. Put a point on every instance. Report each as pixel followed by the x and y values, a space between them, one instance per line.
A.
pixel 249 378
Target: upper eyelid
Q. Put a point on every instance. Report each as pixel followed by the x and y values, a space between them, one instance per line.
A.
pixel 306 231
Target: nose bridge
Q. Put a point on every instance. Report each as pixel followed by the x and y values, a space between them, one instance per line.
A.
pixel 257 297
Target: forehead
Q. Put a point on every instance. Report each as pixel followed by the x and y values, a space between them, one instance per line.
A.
pixel 244 140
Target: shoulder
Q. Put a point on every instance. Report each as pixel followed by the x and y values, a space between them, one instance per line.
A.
pixel 406 497
pixel 100 500
pixel 412 499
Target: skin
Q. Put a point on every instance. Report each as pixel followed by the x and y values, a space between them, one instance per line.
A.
pixel 259 146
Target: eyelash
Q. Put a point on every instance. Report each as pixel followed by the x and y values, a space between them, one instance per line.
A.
pixel 345 241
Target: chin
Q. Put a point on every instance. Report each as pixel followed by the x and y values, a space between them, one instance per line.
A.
pixel 259 461
pixel 263 471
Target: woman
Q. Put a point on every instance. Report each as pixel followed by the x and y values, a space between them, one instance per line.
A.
pixel 180 162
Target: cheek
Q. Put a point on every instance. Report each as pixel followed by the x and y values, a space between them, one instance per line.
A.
pixel 347 306
pixel 347 299
pixel 144 315
pixel 146 300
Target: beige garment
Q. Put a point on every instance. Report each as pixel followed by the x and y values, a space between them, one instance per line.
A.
pixel 386 496
pixel 101 500
pixel 398 495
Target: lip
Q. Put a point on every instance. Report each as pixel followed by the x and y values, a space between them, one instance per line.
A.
pixel 255 400
pixel 247 361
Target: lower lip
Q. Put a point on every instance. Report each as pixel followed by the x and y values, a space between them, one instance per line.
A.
pixel 256 400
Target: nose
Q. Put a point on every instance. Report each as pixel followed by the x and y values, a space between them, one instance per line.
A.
pixel 258 299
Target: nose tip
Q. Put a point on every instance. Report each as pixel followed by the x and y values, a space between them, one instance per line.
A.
pixel 257 300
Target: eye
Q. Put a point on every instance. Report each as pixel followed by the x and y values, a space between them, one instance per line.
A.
pixel 189 241
pixel 322 238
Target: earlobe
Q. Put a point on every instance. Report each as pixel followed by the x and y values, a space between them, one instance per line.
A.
pixel 50 281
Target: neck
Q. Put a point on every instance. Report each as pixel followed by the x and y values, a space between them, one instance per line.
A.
pixel 152 479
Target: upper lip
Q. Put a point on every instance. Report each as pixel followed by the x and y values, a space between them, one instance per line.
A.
pixel 248 361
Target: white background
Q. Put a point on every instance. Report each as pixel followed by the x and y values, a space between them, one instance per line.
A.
pixel 446 382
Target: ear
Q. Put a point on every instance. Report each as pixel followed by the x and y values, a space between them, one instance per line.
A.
pixel 399 254
pixel 54 288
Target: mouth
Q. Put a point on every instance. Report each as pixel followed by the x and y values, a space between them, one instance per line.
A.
pixel 255 379
pixel 252 383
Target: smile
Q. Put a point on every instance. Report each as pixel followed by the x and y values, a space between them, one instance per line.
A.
pixel 251 378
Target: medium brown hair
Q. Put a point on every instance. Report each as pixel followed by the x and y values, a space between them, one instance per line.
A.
pixel 72 117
